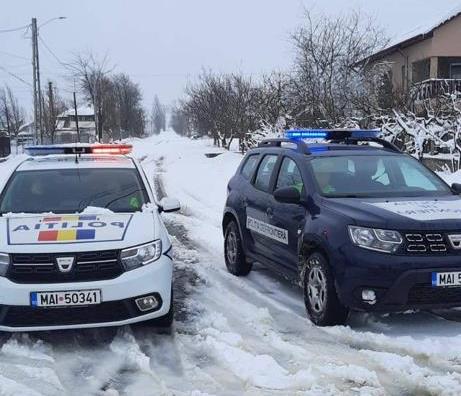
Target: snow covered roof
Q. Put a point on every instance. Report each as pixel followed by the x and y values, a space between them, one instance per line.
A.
pixel 81 111
pixel 415 35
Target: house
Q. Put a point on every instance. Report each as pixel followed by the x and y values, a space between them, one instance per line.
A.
pixel 66 127
pixel 427 61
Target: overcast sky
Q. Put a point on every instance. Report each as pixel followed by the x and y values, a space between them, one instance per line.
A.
pixel 163 44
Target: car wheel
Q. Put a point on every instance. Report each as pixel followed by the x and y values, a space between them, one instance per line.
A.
pixel 320 297
pixel 233 252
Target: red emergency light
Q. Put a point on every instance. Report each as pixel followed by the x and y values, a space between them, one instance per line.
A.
pixel 121 149
pixel 79 148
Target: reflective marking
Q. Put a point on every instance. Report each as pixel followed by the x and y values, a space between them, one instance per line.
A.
pixel 268 230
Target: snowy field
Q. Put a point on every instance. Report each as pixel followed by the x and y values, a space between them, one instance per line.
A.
pixel 232 336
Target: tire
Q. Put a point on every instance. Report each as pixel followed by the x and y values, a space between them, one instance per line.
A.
pixel 320 298
pixel 234 255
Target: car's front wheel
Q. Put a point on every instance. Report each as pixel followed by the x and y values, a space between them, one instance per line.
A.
pixel 320 297
pixel 234 255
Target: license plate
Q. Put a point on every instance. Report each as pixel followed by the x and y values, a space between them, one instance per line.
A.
pixel 446 279
pixel 65 298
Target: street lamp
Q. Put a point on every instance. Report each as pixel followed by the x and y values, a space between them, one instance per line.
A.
pixel 51 20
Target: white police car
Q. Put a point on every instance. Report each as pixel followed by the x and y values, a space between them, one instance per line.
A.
pixel 82 242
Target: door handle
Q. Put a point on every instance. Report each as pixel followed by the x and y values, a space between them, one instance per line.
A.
pixel 269 212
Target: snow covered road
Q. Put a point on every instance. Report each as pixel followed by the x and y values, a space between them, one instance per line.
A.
pixel 233 336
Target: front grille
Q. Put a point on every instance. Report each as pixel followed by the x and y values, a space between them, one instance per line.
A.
pixel 43 268
pixel 431 242
pixel 424 294
pixel 25 316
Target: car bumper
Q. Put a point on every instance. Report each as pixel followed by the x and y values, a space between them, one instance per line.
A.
pixel 400 282
pixel 117 308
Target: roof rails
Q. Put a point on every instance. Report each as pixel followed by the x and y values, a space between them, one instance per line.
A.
pixel 301 146
pixel 338 136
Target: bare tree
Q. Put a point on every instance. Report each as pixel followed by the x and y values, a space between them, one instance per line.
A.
pixel 12 115
pixel 53 105
pixel 158 116
pixel 328 74
pixel 129 116
pixel 92 73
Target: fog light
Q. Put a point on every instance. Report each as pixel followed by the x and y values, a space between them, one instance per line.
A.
pixel 369 296
pixel 147 303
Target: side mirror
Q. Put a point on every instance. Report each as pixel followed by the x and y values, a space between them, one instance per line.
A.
pixel 288 195
pixel 169 205
pixel 456 187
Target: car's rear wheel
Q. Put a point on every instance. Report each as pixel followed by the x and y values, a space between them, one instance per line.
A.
pixel 234 255
pixel 320 297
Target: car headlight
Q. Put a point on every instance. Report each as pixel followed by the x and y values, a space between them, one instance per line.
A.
pixel 386 241
pixel 4 263
pixel 138 256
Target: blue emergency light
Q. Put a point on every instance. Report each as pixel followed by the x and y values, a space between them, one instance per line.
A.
pixel 332 134
pixel 79 148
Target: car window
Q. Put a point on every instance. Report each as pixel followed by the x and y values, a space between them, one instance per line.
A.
pixel 290 176
pixel 249 166
pixel 263 177
pixel 72 190
pixel 415 178
pixel 375 176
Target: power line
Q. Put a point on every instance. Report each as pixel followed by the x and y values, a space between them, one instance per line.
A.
pixel 65 65
pixel 15 76
pixel 14 29
pixel 14 55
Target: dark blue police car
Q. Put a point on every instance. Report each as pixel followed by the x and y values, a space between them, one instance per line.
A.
pixel 357 223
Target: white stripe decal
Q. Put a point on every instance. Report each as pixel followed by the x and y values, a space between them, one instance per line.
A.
pixel 270 231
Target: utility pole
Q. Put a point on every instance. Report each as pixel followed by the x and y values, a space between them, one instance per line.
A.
pixel 34 67
pixel 76 118
pixel 52 120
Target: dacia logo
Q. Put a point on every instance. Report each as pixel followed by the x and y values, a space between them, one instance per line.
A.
pixel 65 264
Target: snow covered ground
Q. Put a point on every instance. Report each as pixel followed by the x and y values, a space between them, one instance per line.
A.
pixel 233 335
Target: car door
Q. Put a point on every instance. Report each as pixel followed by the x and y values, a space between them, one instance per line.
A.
pixel 256 202
pixel 289 217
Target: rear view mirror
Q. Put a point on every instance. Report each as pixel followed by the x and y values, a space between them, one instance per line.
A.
pixel 169 205
pixel 288 195
pixel 456 187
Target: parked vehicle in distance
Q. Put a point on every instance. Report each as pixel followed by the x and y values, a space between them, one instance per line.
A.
pixel 354 221
pixel 84 244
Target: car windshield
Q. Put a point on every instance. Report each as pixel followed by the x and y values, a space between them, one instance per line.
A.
pixel 72 190
pixel 375 176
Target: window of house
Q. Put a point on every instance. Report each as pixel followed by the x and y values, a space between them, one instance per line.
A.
pixel 455 71
pixel 421 70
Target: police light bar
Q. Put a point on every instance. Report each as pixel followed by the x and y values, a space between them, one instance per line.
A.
pixel 114 149
pixel 332 134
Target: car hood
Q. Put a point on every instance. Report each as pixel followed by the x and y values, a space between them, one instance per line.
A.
pixel 74 233
pixel 441 213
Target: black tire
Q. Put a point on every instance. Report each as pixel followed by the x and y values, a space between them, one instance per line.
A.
pixel 234 255
pixel 320 298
